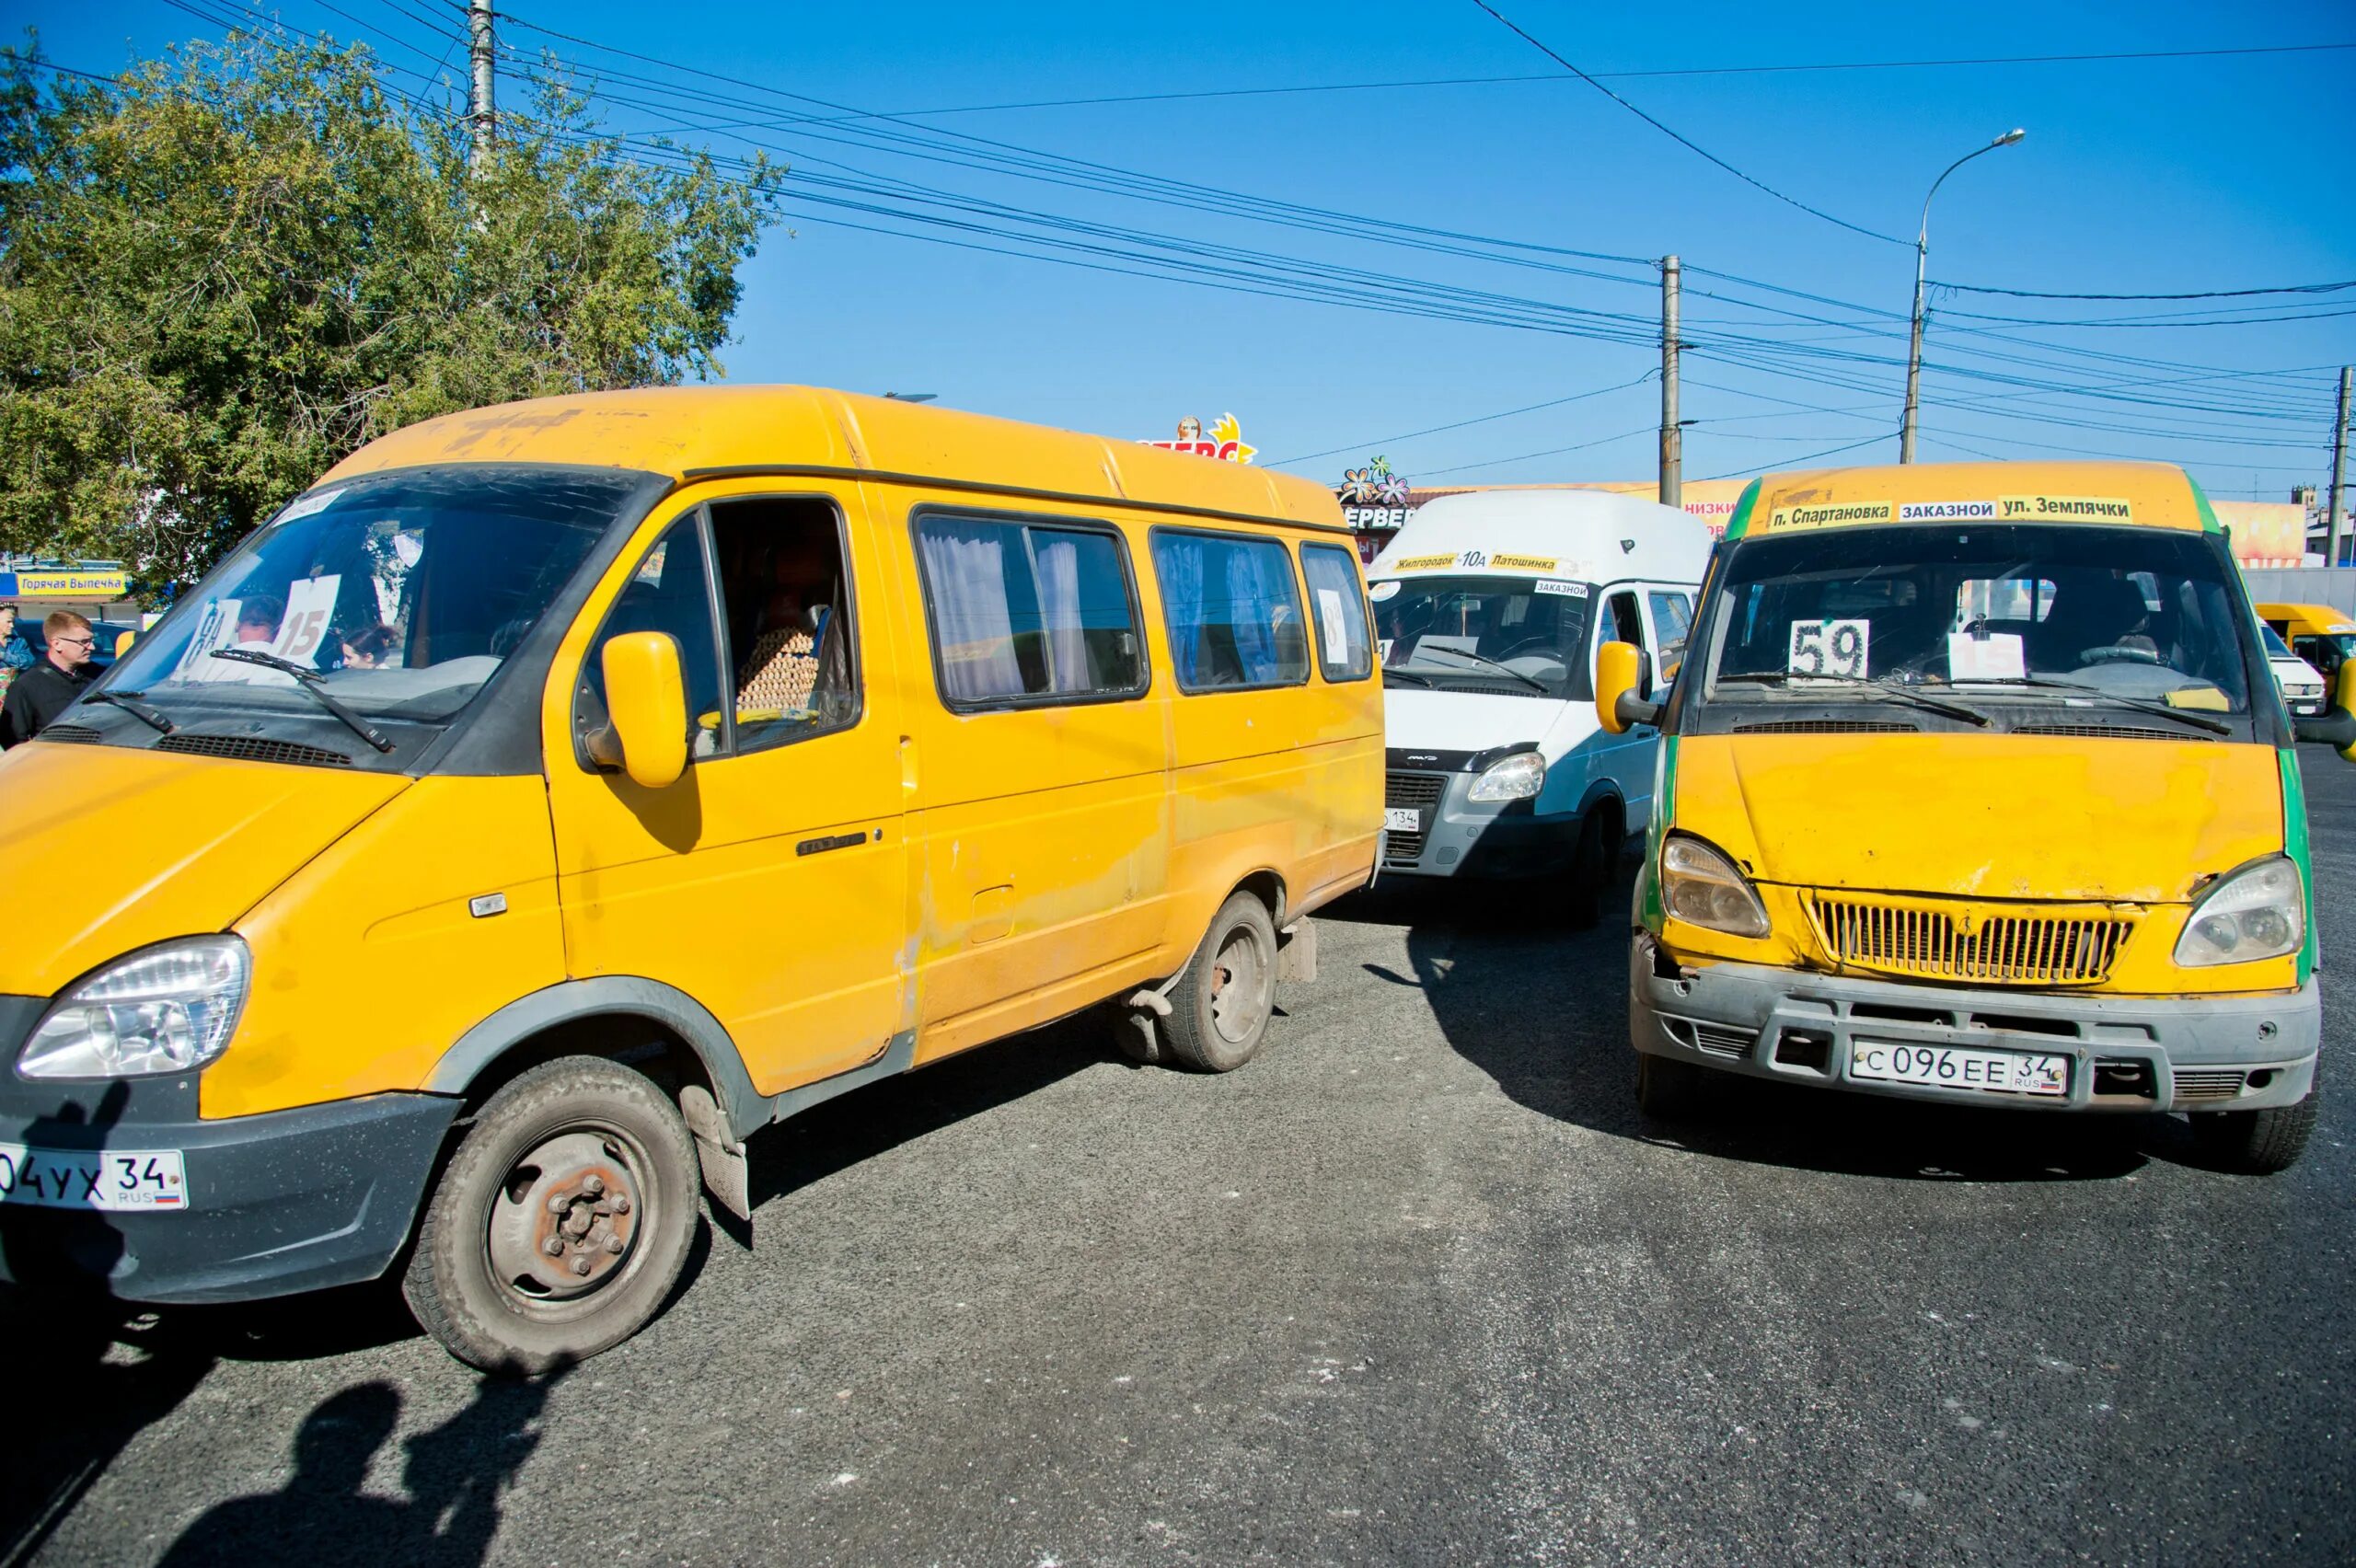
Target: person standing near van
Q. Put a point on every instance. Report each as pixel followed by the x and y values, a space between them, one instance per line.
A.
pixel 14 657
pixel 39 695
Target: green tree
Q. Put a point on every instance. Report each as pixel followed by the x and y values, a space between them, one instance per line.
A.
pixel 223 273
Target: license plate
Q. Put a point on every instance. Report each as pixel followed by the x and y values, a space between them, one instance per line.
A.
pixel 112 1179
pixel 1403 819
pixel 1952 1066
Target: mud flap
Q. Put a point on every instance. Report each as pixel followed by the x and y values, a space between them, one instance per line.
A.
pixel 1296 952
pixel 725 1173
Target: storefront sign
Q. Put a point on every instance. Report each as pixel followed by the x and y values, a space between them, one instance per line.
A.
pixel 1225 440
pixel 64 582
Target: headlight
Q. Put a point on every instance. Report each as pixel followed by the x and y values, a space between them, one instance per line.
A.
pixel 1516 777
pixel 2259 911
pixel 168 1009
pixel 1700 887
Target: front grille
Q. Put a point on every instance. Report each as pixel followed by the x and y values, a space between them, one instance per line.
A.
pixel 2209 1083
pixel 252 748
pixel 1958 942
pixel 2105 732
pixel 70 735
pixel 1420 791
pixel 1824 727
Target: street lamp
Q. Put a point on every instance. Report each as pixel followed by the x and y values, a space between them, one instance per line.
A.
pixel 1922 254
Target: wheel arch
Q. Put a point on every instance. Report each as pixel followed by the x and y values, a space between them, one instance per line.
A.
pixel 623 1017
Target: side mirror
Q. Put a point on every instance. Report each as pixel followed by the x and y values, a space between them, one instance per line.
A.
pixel 646 696
pixel 1620 679
pixel 122 642
pixel 2336 726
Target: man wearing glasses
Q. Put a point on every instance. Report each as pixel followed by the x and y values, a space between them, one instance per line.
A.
pixel 41 693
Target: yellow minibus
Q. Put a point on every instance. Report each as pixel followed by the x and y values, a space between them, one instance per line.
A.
pixel 1975 787
pixel 559 793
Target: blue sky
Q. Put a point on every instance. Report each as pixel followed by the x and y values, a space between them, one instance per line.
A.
pixel 2148 176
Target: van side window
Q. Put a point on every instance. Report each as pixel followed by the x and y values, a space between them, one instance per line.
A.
pixel 1672 620
pixel 1025 613
pixel 669 592
pixel 1233 609
pixel 785 595
pixel 1622 623
pixel 1344 651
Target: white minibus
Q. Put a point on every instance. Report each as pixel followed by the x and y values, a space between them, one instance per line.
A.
pixel 1489 607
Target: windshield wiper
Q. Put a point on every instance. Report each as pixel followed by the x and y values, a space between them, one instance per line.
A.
pixel 309 681
pixel 129 702
pixel 1393 671
pixel 1533 684
pixel 1952 709
pixel 2139 704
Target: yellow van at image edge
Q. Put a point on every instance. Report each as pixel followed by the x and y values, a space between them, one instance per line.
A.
pixel 380 1007
pixel 2204 809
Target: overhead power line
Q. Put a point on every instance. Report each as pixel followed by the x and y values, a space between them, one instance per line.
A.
pixel 1484 419
pixel 1657 74
pixel 2204 294
pixel 1678 137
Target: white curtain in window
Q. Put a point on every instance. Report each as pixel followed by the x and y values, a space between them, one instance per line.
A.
pixel 1058 562
pixel 966 568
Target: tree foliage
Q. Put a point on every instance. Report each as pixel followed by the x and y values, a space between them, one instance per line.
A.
pixel 232 267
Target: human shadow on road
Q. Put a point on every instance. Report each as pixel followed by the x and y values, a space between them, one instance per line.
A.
pixel 874 1120
pixel 452 1479
pixel 1543 1011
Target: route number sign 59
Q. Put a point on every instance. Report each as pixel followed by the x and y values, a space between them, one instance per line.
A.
pixel 1835 648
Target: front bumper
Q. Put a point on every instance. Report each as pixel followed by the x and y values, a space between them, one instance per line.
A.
pixel 281 1202
pixel 1462 839
pixel 2236 1053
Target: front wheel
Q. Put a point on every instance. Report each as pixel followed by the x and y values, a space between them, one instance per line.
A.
pixel 1669 1089
pixel 2257 1143
pixel 562 1222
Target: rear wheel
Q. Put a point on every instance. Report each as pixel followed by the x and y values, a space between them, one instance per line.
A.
pixel 1220 1007
pixel 2259 1143
pixel 1669 1089
pixel 562 1222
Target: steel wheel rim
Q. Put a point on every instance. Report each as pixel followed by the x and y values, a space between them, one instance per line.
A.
pixel 1241 996
pixel 566 1223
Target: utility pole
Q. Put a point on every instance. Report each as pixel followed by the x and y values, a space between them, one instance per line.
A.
pixel 2339 462
pixel 1672 438
pixel 481 111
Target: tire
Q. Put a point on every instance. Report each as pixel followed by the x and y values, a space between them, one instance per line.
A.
pixel 1220 1007
pixel 2257 1143
pixel 1594 858
pixel 579 1153
pixel 1669 1089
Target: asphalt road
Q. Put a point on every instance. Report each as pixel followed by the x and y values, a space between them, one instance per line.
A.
pixel 1418 1285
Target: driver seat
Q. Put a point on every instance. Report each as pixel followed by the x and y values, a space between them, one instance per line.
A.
pixel 2091 609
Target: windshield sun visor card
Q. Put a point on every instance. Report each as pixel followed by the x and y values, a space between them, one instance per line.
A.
pixel 1839 649
pixel 1382 591
pixel 1996 657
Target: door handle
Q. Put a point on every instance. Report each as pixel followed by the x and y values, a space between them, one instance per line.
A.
pixel 833 841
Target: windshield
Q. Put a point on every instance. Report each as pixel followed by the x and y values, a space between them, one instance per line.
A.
pixel 403 593
pixel 2139 615
pixel 1516 636
pixel 2275 647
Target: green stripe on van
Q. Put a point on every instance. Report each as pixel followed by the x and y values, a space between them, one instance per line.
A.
pixel 2295 844
pixel 1739 524
pixel 1664 804
pixel 2209 524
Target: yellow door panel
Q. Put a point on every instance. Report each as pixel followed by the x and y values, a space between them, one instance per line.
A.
pixel 769 883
